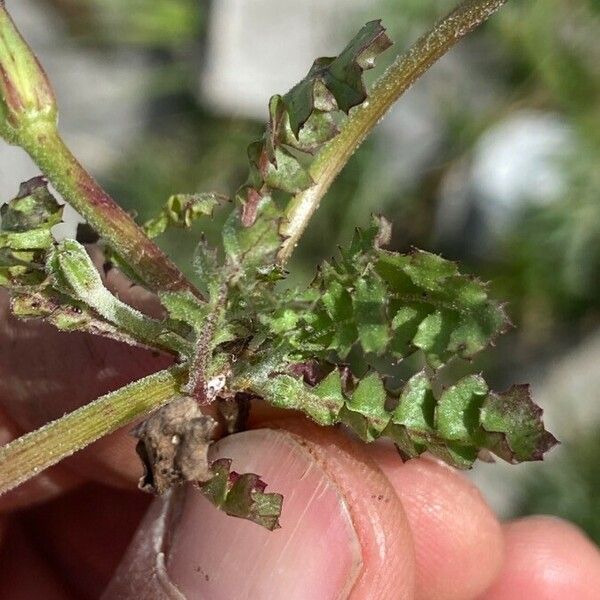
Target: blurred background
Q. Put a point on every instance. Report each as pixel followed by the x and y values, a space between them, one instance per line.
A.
pixel 492 159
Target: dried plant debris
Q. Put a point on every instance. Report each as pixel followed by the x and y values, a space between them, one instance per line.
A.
pixel 173 445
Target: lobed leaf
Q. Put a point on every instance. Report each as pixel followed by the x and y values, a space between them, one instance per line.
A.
pixel 185 307
pixel 72 273
pixel 512 422
pixel 395 304
pixel 249 248
pixel 454 425
pixel 65 314
pixel 338 78
pixel 25 233
pixel 242 496
pixel 300 123
pixel 182 210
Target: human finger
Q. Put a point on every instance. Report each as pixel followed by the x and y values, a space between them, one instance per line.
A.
pixel 344 533
pixel 548 559
pixel 452 525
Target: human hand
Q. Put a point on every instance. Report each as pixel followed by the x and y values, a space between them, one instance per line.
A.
pixel 356 521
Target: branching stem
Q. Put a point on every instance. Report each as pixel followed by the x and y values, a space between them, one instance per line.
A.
pixel 400 76
pixel 30 454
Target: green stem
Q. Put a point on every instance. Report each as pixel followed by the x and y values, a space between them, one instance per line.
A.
pixel 405 70
pixel 48 150
pixel 32 453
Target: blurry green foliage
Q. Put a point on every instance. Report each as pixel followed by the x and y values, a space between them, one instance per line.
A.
pixel 571 489
pixel 153 23
pixel 553 254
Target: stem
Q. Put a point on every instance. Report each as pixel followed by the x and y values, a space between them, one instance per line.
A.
pixel 405 70
pixel 32 453
pixel 45 146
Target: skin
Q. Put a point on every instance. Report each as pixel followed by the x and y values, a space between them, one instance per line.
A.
pixel 357 523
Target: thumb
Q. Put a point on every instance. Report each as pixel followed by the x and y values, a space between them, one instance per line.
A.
pixel 343 531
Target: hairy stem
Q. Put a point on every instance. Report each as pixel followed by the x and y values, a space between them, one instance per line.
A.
pixel 405 70
pixel 32 453
pixel 45 146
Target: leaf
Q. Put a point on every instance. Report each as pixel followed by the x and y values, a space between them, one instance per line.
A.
pixel 300 123
pixel 454 426
pixel 250 248
pixel 287 391
pixel 365 411
pixel 33 208
pixel 25 233
pixel 278 169
pixel 242 496
pixel 369 311
pixel 65 314
pixel 514 426
pixel 186 307
pixel 416 406
pixel 396 304
pixel 182 210
pixel 339 77
pixel 457 413
pixel 72 272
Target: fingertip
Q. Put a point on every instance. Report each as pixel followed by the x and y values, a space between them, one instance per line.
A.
pixel 548 558
pixel 343 532
pixel 458 540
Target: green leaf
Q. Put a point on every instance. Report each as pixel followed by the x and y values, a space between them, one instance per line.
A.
pixel 395 304
pixel 287 391
pixel 182 210
pixel 457 415
pixel 320 127
pixel 461 320
pixel 365 411
pixel 455 426
pixel 340 78
pixel 337 302
pixel 514 426
pixel 416 406
pixel 33 208
pixel 186 307
pixel 73 274
pixel 278 169
pixel 242 496
pixel 65 314
pixel 300 123
pixel 249 247
pixel 369 312
pixel 25 233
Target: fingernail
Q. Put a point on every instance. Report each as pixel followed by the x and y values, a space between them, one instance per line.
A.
pixel 315 554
